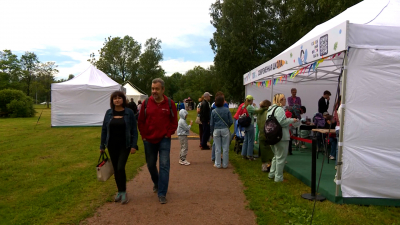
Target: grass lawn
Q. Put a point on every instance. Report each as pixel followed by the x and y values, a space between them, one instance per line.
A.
pixel 48 175
pixel 281 203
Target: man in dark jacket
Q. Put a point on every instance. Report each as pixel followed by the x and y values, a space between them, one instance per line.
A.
pixel 205 120
pixel 323 103
pixel 132 105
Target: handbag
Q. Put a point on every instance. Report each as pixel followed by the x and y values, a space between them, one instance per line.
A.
pixel 104 168
pixel 197 120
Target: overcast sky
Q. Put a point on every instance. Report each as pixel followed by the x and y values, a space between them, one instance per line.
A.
pixel 68 31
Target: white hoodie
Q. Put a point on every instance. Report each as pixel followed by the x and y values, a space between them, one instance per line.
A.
pixel 183 128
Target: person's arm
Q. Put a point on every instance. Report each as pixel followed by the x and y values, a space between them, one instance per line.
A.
pixel 299 101
pixel 251 109
pixel 230 120
pixel 212 124
pixel 103 134
pixel 257 132
pixel 142 121
pixel 134 133
pixel 281 117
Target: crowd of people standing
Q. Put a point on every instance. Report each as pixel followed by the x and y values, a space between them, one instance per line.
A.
pixel 156 119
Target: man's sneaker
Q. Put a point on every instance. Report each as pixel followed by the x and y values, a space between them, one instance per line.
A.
pixel 162 199
pixel 331 157
pixel 124 198
pixel 205 148
pixel 303 146
pixel 117 197
pixel 181 162
pixel 155 188
pixel 186 163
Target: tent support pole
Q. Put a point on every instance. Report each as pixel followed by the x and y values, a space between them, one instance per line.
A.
pixel 341 119
pixel 272 89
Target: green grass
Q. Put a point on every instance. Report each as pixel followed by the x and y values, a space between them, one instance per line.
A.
pixel 48 174
pixel 281 203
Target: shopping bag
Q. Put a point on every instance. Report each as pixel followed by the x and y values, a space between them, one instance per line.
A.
pixel 104 167
pixel 198 120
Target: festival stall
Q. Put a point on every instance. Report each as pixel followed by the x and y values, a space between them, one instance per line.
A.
pixel 134 92
pixel 358 51
pixel 83 100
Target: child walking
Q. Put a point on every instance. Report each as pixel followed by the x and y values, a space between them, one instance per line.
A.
pixel 183 132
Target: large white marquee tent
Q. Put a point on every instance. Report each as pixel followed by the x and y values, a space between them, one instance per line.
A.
pixel 83 100
pixel 361 46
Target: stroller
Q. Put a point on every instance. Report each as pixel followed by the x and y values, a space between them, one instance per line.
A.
pixel 239 138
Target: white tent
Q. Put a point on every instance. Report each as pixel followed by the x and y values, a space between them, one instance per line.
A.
pixel 362 47
pixel 131 91
pixel 83 100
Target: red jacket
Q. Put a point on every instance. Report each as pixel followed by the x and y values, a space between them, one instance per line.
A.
pixel 158 122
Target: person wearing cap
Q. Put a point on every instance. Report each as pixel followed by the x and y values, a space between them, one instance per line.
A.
pixel 248 143
pixel 205 120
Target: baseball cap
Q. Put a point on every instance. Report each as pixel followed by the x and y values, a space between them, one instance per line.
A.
pixel 249 97
pixel 207 94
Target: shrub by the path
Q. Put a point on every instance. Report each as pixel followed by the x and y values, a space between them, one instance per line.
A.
pixel 14 103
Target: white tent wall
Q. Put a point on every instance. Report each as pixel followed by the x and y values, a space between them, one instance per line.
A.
pixel 83 100
pixel 80 106
pixel 131 92
pixel 309 93
pixel 371 146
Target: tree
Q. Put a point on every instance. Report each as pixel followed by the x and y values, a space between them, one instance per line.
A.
pixel 71 76
pixel 9 70
pixel 29 63
pixel 172 83
pixel 118 58
pixel 149 65
pixel 46 73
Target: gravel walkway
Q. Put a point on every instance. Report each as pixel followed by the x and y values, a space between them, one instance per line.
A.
pixel 197 194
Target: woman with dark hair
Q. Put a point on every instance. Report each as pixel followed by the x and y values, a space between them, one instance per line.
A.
pixel 119 134
pixel 220 122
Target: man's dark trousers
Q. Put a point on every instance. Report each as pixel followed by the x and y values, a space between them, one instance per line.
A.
pixel 206 134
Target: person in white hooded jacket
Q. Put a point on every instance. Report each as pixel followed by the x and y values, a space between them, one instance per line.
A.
pixel 183 132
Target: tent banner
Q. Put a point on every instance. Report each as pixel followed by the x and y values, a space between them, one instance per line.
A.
pixel 319 47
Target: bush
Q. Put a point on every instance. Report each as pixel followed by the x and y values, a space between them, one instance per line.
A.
pixel 14 103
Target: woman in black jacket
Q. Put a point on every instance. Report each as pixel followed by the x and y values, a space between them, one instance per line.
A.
pixel 119 134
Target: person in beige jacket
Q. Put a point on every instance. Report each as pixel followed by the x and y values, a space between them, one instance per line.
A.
pixel 281 148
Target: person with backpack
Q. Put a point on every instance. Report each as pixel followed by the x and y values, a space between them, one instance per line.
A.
pixel 280 149
pixel 214 106
pixel 246 116
pixel 264 148
pixel 157 123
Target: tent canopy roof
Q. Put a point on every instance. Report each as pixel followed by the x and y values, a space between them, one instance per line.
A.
pixel 383 14
pixel 132 89
pixel 91 76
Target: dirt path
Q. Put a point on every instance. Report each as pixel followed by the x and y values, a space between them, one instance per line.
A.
pixel 197 194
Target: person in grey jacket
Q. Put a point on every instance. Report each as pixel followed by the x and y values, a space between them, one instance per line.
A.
pixel 280 149
pixel 183 132
pixel 220 122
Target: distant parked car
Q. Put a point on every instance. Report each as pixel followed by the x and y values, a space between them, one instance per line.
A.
pixel 44 103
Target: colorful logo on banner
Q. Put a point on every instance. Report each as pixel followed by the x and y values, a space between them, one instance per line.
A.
pixel 283 78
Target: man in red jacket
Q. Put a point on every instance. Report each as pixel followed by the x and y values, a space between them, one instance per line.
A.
pixel 157 122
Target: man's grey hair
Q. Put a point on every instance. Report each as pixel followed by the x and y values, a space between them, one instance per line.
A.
pixel 159 80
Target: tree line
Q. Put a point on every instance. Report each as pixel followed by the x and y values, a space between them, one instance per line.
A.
pixel 28 74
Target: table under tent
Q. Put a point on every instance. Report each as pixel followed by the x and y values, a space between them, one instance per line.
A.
pixel 134 92
pixel 83 100
pixel 356 54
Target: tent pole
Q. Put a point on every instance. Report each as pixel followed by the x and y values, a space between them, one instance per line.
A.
pixel 341 119
pixel 272 89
